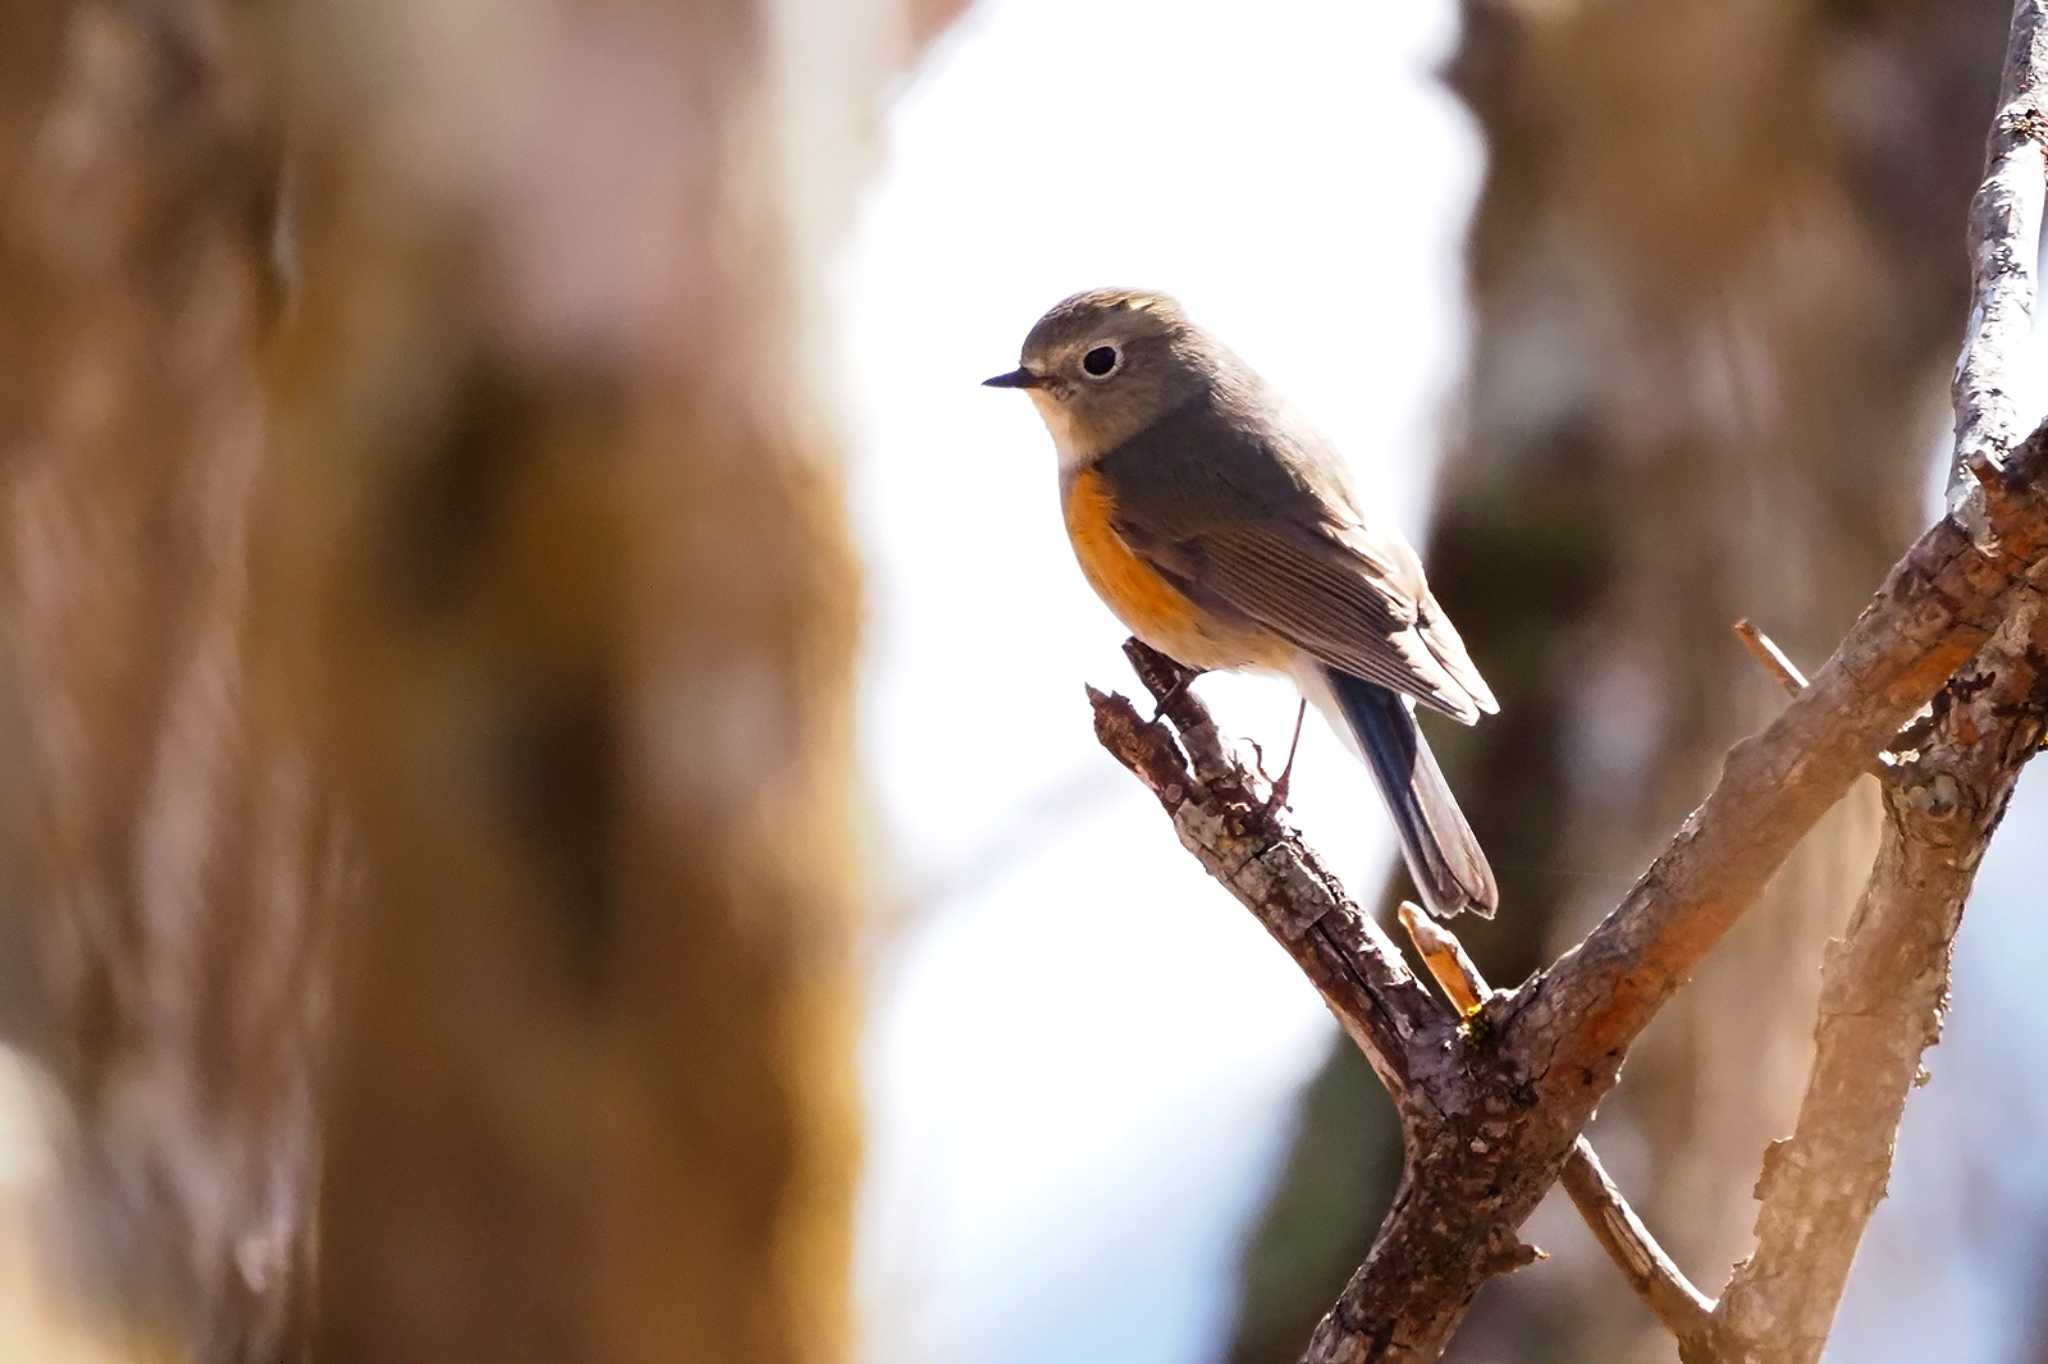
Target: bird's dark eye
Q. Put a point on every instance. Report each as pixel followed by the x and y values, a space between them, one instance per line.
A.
pixel 1101 362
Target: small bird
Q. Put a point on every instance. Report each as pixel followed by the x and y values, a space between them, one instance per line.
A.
pixel 1225 533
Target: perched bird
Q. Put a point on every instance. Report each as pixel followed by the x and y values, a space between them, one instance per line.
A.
pixel 1226 534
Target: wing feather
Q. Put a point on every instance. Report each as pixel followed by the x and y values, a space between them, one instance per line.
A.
pixel 1338 605
pixel 1264 527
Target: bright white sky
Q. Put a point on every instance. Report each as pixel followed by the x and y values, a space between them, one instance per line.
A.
pixel 1082 1057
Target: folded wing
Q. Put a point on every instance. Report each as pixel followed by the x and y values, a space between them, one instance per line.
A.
pixel 1358 605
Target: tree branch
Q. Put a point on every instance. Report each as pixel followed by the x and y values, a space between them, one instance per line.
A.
pixel 2004 240
pixel 1656 1278
pixel 1932 614
pixel 1491 1113
pixel 1556 1045
pixel 1456 974
pixel 1770 657
pixel 1884 991
pixel 1883 995
pixel 1219 809
pixel 1490 1118
pixel 1685 1311
pixel 1224 821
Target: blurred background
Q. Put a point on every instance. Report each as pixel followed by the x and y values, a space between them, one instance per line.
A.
pixel 552 813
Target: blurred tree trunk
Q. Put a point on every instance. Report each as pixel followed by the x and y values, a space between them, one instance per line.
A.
pixel 550 408
pixel 1718 281
pixel 502 532
pixel 165 854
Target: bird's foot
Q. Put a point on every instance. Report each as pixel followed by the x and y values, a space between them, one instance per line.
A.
pixel 1276 799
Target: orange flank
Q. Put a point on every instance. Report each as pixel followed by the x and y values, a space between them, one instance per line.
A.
pixel 1151 607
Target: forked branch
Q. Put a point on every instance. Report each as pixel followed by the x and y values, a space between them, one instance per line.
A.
pixel 1656 1278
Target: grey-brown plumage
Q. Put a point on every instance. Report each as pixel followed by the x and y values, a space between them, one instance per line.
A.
pixel 1265 527
pixel 1215 487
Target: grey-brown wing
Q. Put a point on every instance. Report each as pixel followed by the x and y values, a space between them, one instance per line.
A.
pixel 1370 614
pixel 1264 526
pixel 1448 648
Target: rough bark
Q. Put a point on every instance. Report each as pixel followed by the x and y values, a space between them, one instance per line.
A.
pixel 2005 226
pixel 1663 1287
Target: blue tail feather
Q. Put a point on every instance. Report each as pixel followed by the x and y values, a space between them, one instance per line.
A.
pixel 1443 856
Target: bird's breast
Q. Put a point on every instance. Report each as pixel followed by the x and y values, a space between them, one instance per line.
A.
pixel 1143 599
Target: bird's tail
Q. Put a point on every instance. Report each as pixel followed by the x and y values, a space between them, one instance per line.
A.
pixel 1443 856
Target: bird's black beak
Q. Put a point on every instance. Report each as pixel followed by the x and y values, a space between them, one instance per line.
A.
pixel 1016 378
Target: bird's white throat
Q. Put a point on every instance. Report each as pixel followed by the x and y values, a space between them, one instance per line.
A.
pixel 1075 452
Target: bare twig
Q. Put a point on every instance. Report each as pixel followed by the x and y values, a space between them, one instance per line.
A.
pixel 1225 823
pixel 1444 955
pixel 1773 659
pixel 1780 666
pixel 2004 239
pixel 1684 1310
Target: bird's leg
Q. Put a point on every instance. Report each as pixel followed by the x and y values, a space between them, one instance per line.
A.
pixel 1278 797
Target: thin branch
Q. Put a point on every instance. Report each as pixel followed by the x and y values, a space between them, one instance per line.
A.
pixel 1780 666
pixel 1224 821
pixel 1773 659
pixel 1685 1311
pixel 1219 809
pixel 1445 956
